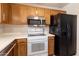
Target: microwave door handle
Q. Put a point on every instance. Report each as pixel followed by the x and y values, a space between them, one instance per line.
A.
pixel 41 21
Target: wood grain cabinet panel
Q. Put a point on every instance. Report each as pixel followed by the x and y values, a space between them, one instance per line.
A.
pixel 50 46
pixel 31 11
pixel 4 13
pixel 39 11
pixel 55 12
pixel 47 16
pixel 0 12
pixel 16 14
pixel 19 14
pixel 21 47
pixel 35 11
pixel 24 14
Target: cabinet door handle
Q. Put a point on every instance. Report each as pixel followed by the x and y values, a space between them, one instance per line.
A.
pixel 10 49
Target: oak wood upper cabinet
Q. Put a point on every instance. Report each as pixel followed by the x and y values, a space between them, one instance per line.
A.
pixel 50 45
pixel 47 16
pixel 55 12
pixel 39 11
pixel 24 14
pixel 19 14
pixel 21 47
pixel 15 19
pixel 4 13
pixel 0 12
pixel 31 11
pixel 35 11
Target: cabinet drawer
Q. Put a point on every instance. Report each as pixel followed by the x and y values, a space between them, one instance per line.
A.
pixel 21 40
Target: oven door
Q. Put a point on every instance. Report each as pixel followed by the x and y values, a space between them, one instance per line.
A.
pixel 37 47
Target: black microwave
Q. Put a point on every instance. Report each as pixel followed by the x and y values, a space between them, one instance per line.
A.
pixel 36 20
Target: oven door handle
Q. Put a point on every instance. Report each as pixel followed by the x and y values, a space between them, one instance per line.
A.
pixel 37 41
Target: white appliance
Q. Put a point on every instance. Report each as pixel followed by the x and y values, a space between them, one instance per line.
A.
pixel 36 30
pixel 37 46
pixel 37 43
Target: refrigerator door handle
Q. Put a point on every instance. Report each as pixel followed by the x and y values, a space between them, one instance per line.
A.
pixel 68 31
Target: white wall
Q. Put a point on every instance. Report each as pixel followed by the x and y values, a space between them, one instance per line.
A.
pixel 73 8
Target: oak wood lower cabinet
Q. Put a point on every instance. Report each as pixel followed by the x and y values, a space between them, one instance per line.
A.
pixel 21 47
pixel 50 45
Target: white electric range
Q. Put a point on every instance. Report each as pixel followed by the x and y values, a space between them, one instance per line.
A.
pixel 37 45
pixel 37 42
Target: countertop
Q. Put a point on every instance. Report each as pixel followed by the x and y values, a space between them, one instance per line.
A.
pixel 7 38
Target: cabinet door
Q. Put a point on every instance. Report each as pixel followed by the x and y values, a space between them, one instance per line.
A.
pixel 0 12
pixel 35 11
pixel 16 14
pixel 47 16
pixel 22 47
pixel 23 14
pixel 51 46
pixel 4 13
pixel 39 11
pixel 31 11
pixel 19 14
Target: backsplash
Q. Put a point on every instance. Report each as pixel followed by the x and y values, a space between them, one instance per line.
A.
pixel 6 28
pixel 1 28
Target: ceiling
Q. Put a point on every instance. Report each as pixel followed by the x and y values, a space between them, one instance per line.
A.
pixel 57 5
pixel 52 5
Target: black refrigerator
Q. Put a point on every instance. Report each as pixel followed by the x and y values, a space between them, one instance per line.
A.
pixel 64 26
